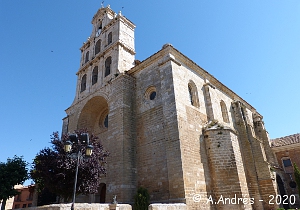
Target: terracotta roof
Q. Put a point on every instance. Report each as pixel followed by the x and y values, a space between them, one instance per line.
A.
pixel 287 140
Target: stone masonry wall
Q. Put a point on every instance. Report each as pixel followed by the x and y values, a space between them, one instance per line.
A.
pixel 121 176
pixel 248 158
pixel 159 143
pixel 261 182
pixel 119 138
pixel 227 169
pixel 151 151
pixel 191 119
pixel 217 96
pixel 159 165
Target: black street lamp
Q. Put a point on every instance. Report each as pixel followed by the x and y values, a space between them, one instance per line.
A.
pixel 81 142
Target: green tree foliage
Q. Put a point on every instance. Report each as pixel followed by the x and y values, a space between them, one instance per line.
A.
pixel 297 176
pixel 141 199
pixel 45 197
pixel 13 172
pixel 54 169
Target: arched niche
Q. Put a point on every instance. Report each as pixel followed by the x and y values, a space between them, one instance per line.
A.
pixel 91 113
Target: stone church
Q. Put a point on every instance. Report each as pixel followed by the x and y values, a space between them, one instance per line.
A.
pixel 169 125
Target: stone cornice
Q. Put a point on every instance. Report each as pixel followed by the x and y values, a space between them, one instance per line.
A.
pixel 116 19
pixel 216 125
pixel 184 60
pixel 66 117
pixel 127 22
pixel 148 61
pixel 101 54
pixel 213 82
pixel 210 85
pixel 100 91
pixel 85 44
pixel 169 59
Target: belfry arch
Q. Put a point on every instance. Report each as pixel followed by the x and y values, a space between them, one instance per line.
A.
pixel 92 114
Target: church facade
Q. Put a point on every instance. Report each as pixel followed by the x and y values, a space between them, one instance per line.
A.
pixel 169 126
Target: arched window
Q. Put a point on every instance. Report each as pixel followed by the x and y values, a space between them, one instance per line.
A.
pixel 98 47
pixel 103 120
pixel 150 93
pixel 193 94
pixel 107 66
pixel 287 165
pixel 95 75
pixel 83 83
pixel 106 122
pixel 109 38
pixel 224 111
pixel 98 32
pixel 87 54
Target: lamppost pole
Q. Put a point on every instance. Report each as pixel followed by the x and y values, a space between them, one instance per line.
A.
pixel 84 140
pixel 75 181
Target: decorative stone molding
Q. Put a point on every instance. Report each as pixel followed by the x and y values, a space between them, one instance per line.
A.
pixel 210 85
pixel 184 60
pixel 215 125
pixel 169 59
pixel 103 52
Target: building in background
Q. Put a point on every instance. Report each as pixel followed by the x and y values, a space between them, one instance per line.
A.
pixel 24 199
pixel 9 203
pixel 287 152
pixel 169 125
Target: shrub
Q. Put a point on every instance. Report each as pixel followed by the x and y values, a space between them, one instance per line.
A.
pixel 141 199
pixel 297 176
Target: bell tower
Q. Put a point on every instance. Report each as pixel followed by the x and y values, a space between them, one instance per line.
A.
pixel 104 100
pixel 108 52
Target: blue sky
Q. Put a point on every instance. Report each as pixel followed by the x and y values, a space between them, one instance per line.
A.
pixel 253 47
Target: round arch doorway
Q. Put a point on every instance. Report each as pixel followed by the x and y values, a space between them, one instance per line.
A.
pixel 281 188
pixel 101 195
